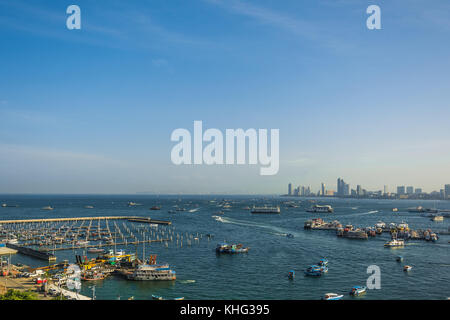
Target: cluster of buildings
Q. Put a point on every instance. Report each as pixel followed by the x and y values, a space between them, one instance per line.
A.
pixel 344 190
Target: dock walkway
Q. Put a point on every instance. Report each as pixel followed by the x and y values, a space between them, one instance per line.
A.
pixel 129 218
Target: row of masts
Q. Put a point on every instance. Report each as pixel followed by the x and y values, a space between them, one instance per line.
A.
pixel 84 234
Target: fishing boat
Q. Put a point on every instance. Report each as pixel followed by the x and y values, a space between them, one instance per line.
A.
pixel 332 296
pixel 95 250
pixel 358 290
pixel 407 268
pixel 395 243
pixel 291 274
pixel 233 248
pixel 93 276
pixel 316 271
pixel 323 262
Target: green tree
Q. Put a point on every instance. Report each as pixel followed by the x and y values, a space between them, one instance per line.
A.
pixel 12 294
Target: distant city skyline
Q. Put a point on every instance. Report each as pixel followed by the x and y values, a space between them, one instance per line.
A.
pixel 92 110
pixel 344 189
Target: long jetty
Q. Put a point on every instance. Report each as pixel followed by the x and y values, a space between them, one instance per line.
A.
pixel 129 218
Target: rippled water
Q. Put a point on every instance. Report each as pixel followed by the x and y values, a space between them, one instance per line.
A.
pixel 262 273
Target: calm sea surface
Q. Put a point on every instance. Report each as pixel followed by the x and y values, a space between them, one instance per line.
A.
pixel 261 273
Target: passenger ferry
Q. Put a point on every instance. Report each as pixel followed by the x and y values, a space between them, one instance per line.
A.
pixel 146 272
pixel 395 243
pixel 320 209
pixel 267 210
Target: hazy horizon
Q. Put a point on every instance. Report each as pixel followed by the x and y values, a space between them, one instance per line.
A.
pixel 91 111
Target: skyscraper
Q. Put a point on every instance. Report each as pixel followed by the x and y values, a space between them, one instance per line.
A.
pixel 359 191
pixel 400 190
pixel 323 189
pixel 385 189
pixel 290 189
pixel 343 189
pixel 447 191
pixel 409 190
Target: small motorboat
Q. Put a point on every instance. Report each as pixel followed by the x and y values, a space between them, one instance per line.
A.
pixel 332 296
pixel 358 290
pixel 233 248
pixel 291 274
pixel 154 297
pixel 316 271
pixel 155 208
pixel 399 259
pixel 407 268
pixel 289 235
pixel 179 298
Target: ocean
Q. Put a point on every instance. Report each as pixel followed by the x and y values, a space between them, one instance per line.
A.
pixel 262 272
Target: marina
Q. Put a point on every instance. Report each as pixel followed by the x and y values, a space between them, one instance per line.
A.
pixel 116 252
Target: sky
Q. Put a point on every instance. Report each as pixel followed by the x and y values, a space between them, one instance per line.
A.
pixel 92 110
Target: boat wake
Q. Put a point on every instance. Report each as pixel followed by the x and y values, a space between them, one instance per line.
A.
pixel 275 230
pixel 186 281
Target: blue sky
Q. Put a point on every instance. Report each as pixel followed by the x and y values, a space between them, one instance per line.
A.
pixel 92 110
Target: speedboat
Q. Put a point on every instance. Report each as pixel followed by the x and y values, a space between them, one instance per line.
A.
pixel 358 290
pixel 332 296
pixel 407 268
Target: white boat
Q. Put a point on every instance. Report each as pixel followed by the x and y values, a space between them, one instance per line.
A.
pixel 437 218
pixel 320 209
pixel 267 210
pixel 47 208
pixel 407 268
pixel 332 296
pixel 395 243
